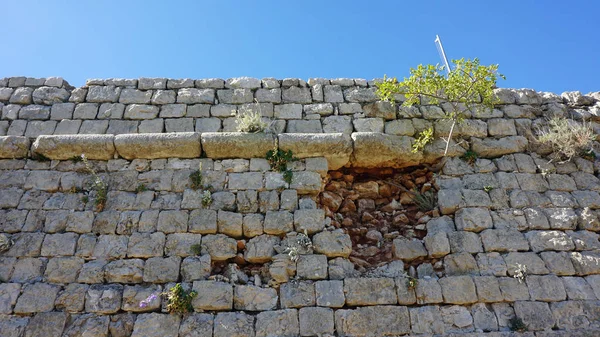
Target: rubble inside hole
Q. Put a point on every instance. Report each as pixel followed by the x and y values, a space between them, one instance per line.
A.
pixel 376 206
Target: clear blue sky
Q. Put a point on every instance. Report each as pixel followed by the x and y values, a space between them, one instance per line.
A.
pixel 546 45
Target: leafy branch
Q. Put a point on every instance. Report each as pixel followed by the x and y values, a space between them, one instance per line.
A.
pixel 468 86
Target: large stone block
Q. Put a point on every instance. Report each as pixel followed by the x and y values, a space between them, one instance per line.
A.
pixel 280 323
pixel 336 147
pixel 492 148
pixel 213 295
pixel 381 150
pixel 12 147
pixel 373 321
pixel 159 145
pixel 252 298
pixel 370 291
pixel 218 145
pixel 332 244
pixel 63 147
pixel 156 325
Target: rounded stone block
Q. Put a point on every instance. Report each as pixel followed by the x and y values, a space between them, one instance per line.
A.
pixel 336 147
pixel 219 145
pixel 380 150
pixel 159 145
pixel 13 147
pixel 63 147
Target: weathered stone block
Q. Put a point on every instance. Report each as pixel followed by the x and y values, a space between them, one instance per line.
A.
pixel 408 250
pixel 373 321
pixel 156 325
pixel 213 295
pixel 237 145
pixel 370 291
pixel 220 247
pixel 252 298
pixel 152 146
pixel 281 323
pixel 332 244
pixel 12 147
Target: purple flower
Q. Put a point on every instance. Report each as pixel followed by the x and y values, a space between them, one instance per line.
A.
pixel 146 302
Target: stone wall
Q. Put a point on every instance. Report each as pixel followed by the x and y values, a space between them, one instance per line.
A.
pixel 264 259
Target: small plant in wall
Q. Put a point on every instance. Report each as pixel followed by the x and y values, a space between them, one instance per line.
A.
pixel 179 299
pixel 517 324
pixel 206 198
pixel 568 138
pixel 251 121
pixel 467 87
pixel 278 159
pixel 520 272
pixel 470 157
pixel 98 185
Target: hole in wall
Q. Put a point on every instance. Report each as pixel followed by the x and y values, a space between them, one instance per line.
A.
pixel 376 206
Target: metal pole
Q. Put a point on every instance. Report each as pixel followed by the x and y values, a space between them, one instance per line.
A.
pixel 440 48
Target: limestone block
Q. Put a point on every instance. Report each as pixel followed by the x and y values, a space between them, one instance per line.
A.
pixel 381 150
pixel 156 325
pixel 31 112
pixel 369 291
pixel 549 240
pixel 535 315
pixel 278 222
pixel 95 147
pixel 21 96
pixel 373 321
pixel 311 267
pixel 297 294
pixel 253 298
pixel 503 240
pixel 316 321
pixel 220 247
pixel 492 148
pixel 426 320
pixel 458 289
pixel 63 269
pixel 281 323
pixel 237 145
pixel 195 268
pixel 260 249
pixel 101 94
pixel 408 250
pixel 330 294
pixel 179 244
pixel 228 324
pixel 332 244
pixel 152 146
pixel 473 219
pixel 213 295
pixel 162 270
pixel 12 147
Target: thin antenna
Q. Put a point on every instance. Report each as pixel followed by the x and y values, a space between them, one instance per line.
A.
pixel 440 48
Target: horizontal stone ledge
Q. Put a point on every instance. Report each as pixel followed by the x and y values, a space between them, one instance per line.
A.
pixel 63 147
pixel 336 147
pixel 12 147
pixel 159 145
pixel 373 149
pixel 220 145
